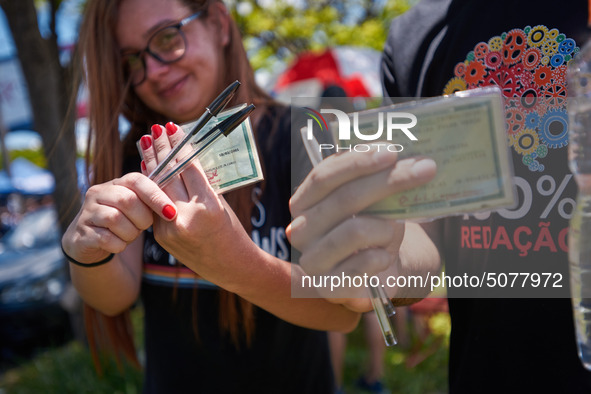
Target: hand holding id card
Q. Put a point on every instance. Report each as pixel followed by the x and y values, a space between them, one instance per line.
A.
pixel 463 133
pixel 224 143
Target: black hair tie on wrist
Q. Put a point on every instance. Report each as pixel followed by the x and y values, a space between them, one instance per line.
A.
pixel 89 265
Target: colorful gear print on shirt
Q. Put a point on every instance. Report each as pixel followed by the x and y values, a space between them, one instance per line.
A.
pixel 529 66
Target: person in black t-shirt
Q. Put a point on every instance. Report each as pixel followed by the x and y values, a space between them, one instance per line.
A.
pixel 439 47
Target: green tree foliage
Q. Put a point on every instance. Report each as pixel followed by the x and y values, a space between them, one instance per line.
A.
pixel 277 30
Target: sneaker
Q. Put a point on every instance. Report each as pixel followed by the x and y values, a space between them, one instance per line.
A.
pixel 376 387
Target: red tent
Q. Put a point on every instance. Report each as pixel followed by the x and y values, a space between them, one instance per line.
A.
pixel 354 69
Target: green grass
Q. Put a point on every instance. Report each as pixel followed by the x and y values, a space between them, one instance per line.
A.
pixel 419 367
pixel 68 369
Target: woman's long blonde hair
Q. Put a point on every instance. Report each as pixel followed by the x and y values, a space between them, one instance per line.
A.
pixel 110 95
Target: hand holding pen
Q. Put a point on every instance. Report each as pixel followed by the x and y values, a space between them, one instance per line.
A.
pixel 196 142
pixel 223 128
pixel 381 303
pixel 211 111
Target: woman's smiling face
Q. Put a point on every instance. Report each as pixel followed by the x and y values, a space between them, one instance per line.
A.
pixel 180 90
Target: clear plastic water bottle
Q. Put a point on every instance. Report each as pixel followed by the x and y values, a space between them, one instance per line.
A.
pixel 579 109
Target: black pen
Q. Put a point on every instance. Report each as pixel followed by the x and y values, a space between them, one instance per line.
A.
pixel 212 110
pixel 224 128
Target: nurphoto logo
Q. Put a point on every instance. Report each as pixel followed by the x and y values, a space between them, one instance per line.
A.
pixel 384 127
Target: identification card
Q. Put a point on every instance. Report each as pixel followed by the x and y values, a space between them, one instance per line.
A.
pixel 232 161
pixel 463 133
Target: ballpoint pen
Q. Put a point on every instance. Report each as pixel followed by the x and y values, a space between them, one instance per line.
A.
pixel 212 110
pixel 380 301
pixel 223 128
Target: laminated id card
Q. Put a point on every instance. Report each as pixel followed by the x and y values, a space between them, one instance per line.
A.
pixel 463 133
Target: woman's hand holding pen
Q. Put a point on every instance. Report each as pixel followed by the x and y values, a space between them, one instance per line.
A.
pixel 205 226
pixel 207 237
pixel 328 229
pixel 113 215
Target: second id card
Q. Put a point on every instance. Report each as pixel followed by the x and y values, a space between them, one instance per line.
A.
pixel 463 133
pixel 232 161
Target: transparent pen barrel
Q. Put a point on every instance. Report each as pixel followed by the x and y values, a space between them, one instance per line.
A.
pixel 385 313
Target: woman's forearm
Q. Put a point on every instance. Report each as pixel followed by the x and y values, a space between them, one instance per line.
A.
pixel 270 287
pixel 113 287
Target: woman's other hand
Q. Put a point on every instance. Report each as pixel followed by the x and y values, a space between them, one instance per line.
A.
pixel 113 215
pixel 329 228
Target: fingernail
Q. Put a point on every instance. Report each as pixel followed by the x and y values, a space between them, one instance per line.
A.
pixel 146 142
pixel 143 165
pixel 169 212
pixel 171 128
pixel 423 167
pixel 156 131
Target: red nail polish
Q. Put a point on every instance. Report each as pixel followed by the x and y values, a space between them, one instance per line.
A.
pixel 143 165
pixel 169 211
pixel 156 131
pixel 146 142
pixel 171 128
